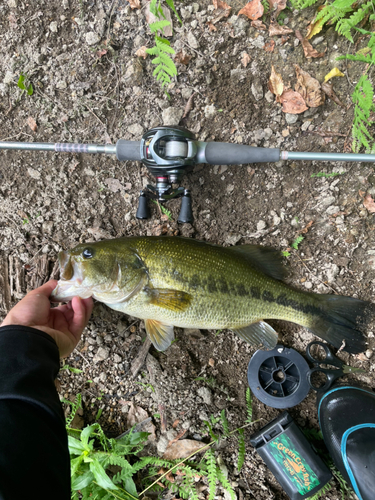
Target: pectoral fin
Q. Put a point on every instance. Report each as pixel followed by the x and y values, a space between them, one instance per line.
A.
pixel 160 334
pixel 259 334
pixel 174 300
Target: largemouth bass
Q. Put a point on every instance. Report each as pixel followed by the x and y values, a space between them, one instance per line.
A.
pixel 171 281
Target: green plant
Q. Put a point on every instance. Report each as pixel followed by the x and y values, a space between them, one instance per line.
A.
pixel 163 210
pixel 22 82
pixel 162 50
pixel 296 242
pixel 71 369
pixel 324 174
pixel 103 468
pixel 266 6
pixel 347 16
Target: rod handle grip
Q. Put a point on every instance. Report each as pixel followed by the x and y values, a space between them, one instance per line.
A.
pixel 128 150
pixel 223 153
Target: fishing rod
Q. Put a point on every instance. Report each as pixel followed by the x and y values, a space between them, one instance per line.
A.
pixel 168 152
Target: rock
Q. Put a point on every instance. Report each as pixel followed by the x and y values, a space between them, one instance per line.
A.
pixel 269 96
pixel 192 41
pixel 117 358
pixel 257 90
pixel 205 394
pixel 258 42
pixel 290 119
pixel 92 38
pixel 8 78
pixel 261 225
pixel 268 133
pixel 209 111
pixel 332 210
pixel 369 353
pixel 53 27
pixel 172 116
pixel 238 74
pixel 101 354
pixel 332 272
pixel 33 173
pixel 135 129
pixel 162 444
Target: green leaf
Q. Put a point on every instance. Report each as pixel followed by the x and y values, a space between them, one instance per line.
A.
pixel 241 449
pixel 75 446
pixel 101 477
pixel 74 464
pixel 130 487
pixel 80 482
pixel 87 432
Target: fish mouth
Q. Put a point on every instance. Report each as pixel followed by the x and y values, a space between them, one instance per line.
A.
pixel 70 283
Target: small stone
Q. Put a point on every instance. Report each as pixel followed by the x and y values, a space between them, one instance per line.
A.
pixel 101 354
pixel 53 27
pixel 12 4
pixel 258 42
pixel 162 444
pixel 305 125
pixel 332 272
pixel 290 119
pixel 117 358
pixel 238 74
pixel 209 111
pixel 261 225
pixel 205 394
pixel 9 77
pixel 33 173
pixel 257 90
pixel 268 132
pixel 172 116
pixel 333 210
pixel 192 41
pixel 61 84
pixel 285 132
pixel 92 38
pixel 135 129
pixel 269 96
pixel 369 353
pixel 308 285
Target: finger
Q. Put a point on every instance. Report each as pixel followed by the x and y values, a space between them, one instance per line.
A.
pixel 45 289
pixel 89 305
pixel 78 322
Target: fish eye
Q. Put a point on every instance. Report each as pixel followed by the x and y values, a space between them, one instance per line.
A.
pixel 88 253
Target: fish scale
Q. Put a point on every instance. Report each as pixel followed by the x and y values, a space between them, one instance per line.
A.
pixel 170 281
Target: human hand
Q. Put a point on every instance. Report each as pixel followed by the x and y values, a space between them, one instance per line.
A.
pixel 64 323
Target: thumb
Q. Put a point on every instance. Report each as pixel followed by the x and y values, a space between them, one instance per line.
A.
pixel 45 289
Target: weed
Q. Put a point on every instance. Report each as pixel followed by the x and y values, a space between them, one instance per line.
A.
pixel 324 174
pixel 296 242
pixel 163 210
pixel 285 253
pixel 266 6
pixel 71 369
pixel 347 16
pixel 162 50
pixel 105 468
pixel 249 406
pixel 145 386
pixel 22 84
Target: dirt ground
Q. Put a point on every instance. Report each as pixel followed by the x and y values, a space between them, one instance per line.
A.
pixel 90 87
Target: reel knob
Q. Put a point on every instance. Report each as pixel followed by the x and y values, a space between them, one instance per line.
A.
pixel 143 211
pixel 186 213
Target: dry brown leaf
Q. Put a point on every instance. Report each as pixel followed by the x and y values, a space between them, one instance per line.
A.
pixel 276 29
pixel 259 25
pixel 100 53
pixel 218 4
pixel 182 57
pixel 292 102
pixel 269 46
pixel 135 4
pixel 137 415
pixel 182 449
pixel 142 52
pixel 369 203
pixel 275 83
pixel 245 59
pixel 309 88
pixel 211 26
pixel 328 89
pixel 253 10
pixel 307 47
pixel 188 107
pixel 32 123
pixel 276 6
pixel 284 39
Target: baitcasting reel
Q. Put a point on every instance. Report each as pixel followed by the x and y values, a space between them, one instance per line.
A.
pixel 169 151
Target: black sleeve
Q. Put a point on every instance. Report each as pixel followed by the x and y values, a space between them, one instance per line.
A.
pixel 34 456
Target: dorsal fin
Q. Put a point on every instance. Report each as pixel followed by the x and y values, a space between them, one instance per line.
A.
pixel 264 259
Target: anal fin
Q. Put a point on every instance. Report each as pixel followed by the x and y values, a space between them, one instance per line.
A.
pixel 160 334
pixel 259 334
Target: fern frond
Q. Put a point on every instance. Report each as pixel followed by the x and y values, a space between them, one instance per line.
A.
pixel 159 25
pixel 224 423
pixel 344 26
pixel 241 449
pixel 363 105
pixel 302 4
pixel 225 483
pixel 249 406
pixel 211 473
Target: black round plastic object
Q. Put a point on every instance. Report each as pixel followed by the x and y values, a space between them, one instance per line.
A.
pixel 278 378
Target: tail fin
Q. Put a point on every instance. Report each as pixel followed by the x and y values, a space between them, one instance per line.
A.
pixel 343 319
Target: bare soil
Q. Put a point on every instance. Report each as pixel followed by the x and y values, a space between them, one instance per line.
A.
pixel 90 87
